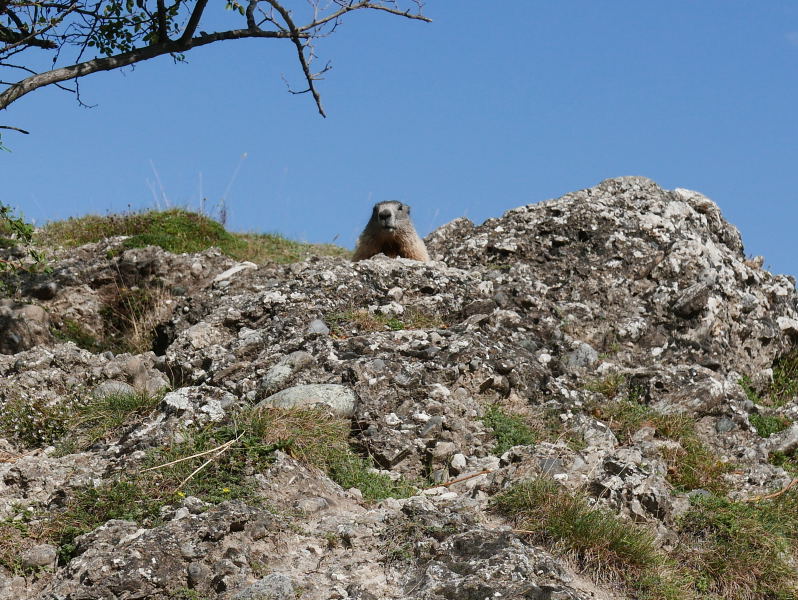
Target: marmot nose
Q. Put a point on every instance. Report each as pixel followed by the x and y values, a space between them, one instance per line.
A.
pixel 385 214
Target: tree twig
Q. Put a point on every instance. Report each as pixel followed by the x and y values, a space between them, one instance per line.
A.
pixel 774 494
pixel 14 128
pixel 179 460
pixel 296 37
pixel 124 59
pixel 221 451
pixel 459 479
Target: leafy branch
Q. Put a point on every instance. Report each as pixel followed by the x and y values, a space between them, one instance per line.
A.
pixel 120 33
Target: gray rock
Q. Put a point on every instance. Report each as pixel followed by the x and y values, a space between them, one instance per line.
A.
pixel 692 300
pixel 515 314
pixel 276 586
pixel 42 555
pixel 22 326
pixel 225 275
pixel 318 326
pixel 202 404
pixel 339 398
pixel 112 388
pixel 284 371
pixel 583 357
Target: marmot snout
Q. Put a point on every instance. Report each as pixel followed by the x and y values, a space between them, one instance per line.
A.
pixel 390 232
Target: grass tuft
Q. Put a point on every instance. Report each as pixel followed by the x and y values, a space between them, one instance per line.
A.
pixel 600 543
pixel 767 425
pixel 610 385
pixel 98 418
pixel 509 430
pixel 178 230
pixel 693 465
pixel 782 389
pixel 724 550
pixel 72 423
pixel 741 551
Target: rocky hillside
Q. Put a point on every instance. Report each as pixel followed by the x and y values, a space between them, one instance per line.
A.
pixel 589 397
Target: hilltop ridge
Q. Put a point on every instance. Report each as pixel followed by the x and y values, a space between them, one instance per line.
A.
pixel 573 400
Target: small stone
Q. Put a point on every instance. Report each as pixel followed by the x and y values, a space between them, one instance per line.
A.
pixel 312 505
pixel 285 369
pixel 583 357
pixel 338 397
pixel 391 420
pixel 276 586
pixel 458 462
pixel 395 293
pixel 318 326
pixel 444 450
pixel 432 425
pixel 41 555
pixel 504 366
pixel 691 301
pixel 112 388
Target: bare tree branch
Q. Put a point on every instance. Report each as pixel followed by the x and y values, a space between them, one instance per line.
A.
pixel 361 5
pixel 125 33
pixel 296 37
pixel 124 59
pixel 193 21
pixel 14 128
pixel 163 35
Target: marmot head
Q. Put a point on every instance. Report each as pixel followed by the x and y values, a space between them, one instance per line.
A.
pixel 390 215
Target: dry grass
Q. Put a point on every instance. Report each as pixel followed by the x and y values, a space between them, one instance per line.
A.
pixel 356 321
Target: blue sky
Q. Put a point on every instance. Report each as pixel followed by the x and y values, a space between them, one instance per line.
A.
pixel 481 111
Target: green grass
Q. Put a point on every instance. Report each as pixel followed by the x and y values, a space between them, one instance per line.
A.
pixel 601 544
pixel 71 331
pixel 509 430
pixel 90 507
pixel 72 423
pixel 785 379
pixel 178 230
pixel 214 463
pixel 741 550
pixel 15 538
pixel 788 462
pixel 34 422
pixel 767 425
pixel 724 550
pixel 693 465
pixel 99 418
pixel 350 470
pixel 782 389
pixel 609 386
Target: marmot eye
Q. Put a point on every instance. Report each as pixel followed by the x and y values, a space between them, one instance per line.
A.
pixel 401 207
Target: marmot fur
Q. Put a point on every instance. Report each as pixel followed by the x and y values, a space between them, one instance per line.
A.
pixel 390 231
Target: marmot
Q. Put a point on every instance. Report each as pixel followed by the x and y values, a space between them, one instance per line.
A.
pixel 390 231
